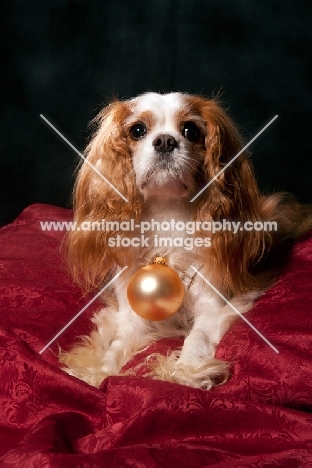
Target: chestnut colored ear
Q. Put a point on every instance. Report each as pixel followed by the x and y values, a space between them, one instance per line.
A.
pixel 89 256
pixel 234 196
pixel 236 187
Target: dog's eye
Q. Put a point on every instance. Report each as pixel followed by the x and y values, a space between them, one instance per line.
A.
pixel 138 131
pixel 191 131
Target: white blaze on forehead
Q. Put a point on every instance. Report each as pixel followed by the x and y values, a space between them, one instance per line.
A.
pixel 163 106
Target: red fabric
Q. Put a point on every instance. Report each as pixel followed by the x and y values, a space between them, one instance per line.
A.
pixel 260 418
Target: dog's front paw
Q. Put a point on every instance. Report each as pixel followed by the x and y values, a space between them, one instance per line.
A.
pixel 203 374
pixel 92 377
pixel 81 362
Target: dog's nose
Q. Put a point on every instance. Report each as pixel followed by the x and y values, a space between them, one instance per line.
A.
pixel 165 143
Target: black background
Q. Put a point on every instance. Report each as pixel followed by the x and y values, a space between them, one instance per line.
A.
pixel 65 59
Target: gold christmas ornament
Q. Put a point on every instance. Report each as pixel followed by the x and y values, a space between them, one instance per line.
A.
pixel 155 292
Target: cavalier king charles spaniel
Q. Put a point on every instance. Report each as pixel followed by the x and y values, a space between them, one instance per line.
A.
pixel 158 151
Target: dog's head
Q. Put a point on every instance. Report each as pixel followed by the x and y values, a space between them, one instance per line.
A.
pixel 167 142
pixel 160 146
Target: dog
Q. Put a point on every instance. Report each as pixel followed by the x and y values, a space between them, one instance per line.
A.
pixel 157 153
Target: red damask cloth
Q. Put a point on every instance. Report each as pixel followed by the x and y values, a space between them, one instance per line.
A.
pixel 260 418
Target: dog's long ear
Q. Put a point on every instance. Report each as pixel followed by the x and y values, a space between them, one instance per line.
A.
pixel 235 188
pixel 95 199
pixel 233 196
